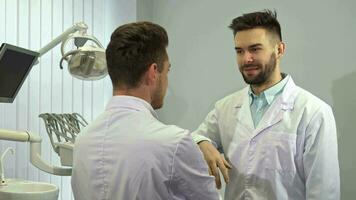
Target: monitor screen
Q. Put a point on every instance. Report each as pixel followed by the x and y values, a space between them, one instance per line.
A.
pixel 15 64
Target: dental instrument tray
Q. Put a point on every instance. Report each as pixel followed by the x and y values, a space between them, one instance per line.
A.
pixel 62 130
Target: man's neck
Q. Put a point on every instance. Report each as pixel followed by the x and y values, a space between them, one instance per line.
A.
pixel 139 92
pixel 273 80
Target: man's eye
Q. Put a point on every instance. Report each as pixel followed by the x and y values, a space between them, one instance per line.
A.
pixel 239 51
pixel 255 49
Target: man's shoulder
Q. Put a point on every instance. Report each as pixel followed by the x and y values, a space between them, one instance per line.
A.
pixel 168 133
pixel 232 98
pixel 306 98
pixel 310 106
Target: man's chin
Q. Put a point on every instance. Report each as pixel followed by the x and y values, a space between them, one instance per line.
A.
pixel 250 79
pixel 254 81
pixel 157 105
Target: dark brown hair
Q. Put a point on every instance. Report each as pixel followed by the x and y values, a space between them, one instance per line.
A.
pixel 263 19
pixel 132 49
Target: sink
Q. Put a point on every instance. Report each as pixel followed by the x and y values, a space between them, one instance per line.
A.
pixel 28 190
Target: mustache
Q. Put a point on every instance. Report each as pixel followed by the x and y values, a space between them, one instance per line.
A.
pixel 251 65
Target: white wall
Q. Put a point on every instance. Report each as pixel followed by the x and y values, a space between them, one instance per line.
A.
pixel 320 55
pixel 32 24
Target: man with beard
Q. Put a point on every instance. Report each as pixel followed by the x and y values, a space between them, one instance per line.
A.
pixel 126 153
pixel 279 139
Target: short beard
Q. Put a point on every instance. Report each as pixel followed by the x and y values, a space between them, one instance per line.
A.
pixel 264 75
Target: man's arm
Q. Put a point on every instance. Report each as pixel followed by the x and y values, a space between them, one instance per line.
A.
pixel 208 138
pixel 190 176
pixel 215 161
pixel 208 130
pixel 320 158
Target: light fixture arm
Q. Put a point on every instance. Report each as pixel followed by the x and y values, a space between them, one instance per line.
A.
pixel 80 26
pixel 87 61
pixel 35 151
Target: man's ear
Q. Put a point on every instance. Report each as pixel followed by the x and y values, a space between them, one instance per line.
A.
pixel 151 74
pixel 281 47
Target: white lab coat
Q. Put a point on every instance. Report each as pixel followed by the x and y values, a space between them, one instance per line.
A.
pixel 127 154
pixel 291 154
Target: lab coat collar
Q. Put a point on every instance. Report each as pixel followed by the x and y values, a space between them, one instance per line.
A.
pixel 132 103
pixel 288 95
pixel 285 102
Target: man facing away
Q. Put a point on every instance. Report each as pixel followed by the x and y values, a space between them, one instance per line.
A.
pixel 126 153
pixel 280 139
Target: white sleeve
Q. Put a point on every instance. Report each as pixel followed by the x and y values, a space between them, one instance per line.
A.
pixel 190 178
pixel 209 130
pixel 321 165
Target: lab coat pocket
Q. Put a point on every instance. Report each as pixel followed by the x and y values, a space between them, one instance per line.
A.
pixel 280 151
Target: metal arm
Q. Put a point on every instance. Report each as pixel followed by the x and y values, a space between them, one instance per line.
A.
pixel 81 26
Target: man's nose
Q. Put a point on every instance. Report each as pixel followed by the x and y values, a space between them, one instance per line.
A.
pixel 247 58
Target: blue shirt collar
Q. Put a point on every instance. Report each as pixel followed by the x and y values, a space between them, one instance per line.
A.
pixel 270 93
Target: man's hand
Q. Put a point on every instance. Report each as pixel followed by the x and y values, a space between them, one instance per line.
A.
pixel 215 162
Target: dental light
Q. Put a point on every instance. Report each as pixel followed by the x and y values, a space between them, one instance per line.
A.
pixel 88 61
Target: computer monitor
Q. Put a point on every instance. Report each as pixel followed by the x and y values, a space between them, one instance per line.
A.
pixel 15 64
